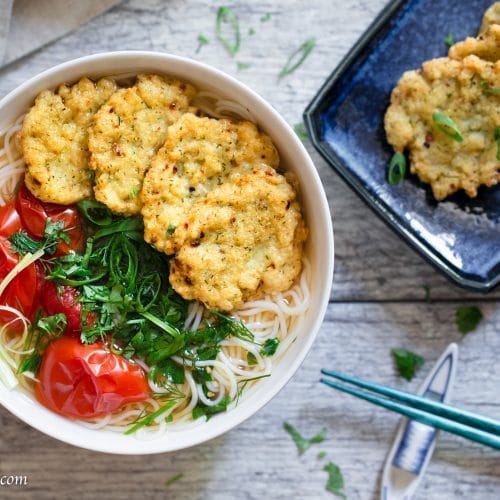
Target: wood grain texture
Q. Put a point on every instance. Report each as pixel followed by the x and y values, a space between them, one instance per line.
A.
pixel 379 301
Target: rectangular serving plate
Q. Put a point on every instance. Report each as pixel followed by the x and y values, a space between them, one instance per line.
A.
pixel 459 236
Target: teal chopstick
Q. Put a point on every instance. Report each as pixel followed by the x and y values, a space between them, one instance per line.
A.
pixel 448 425
pixel 431 406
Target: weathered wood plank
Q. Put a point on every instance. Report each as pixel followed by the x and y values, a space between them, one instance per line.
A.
pixel 259 460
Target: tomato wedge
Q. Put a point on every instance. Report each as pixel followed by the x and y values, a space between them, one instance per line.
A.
pixel 22 291
pixel 10 222
pixel 34 214
pixel 87 381
pixel 65 300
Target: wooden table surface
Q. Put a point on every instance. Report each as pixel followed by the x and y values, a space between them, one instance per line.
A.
pixel 378 301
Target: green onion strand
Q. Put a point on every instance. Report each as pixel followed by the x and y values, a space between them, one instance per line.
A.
pixel 298 57
pixel 447 126
pixel 397 169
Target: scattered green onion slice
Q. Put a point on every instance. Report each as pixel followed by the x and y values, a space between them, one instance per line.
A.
pixel 298 57
pixel 301 131
pixel 447 126
pixel 202 40
pixel 449 41
pixel 397 169
pixel 497 138
pixel 242 65
pixel 487 89
pixel 226 16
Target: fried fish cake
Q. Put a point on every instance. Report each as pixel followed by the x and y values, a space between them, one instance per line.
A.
pixel 242 241
pixel 486 45
pixel 127 132
pixel 453 88
pixel 197 156
pixel 491 16
pixel 54 140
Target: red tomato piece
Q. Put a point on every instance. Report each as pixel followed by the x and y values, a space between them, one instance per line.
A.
pixel 87 381
pixel 66 302
pixel 22 291
pixel 34 214
pixel 10 222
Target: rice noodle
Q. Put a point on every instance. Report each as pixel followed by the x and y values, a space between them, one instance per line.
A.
pixel 275 316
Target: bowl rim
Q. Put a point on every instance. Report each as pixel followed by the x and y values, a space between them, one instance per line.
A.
pixel 232 420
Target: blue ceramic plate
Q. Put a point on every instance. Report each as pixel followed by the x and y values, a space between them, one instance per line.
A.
pixel 460 236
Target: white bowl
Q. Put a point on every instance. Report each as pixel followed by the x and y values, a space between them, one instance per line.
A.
pixel 319 247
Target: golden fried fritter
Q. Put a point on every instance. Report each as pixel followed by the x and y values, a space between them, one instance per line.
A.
pixel 241 241
pixel 54 140
pixel 454 88
pixel 491 16
pixel 197 155
pixel 127 132
pixel 486 45
pixel 213 197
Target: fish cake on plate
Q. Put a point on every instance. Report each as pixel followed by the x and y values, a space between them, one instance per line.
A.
pixel 198 154
pixel 454 89
pixel 486 45
pixel 491 16
pixel 127 132
pixel 54 140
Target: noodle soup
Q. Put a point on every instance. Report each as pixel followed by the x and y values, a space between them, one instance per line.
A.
pixel 133 351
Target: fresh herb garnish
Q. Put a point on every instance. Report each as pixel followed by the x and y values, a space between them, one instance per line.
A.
pixel 202 410
pixel 202 40
pixel 174 479
pixel 449 40
pixel 226 16
pixel 407 362
pixel 467 318
pixel 170 230
pixel 335 483
pixel 241 66
pixel 269 347
pixel 134 192
pixel 22 243
pixel 298 57
pixel 497 139
pixel 321 455
pixel 266 17
pixel 243 383
pixel 427 291
pixel 95 212
pixel 251 359
pixel 396 169
pixel 44 330
pixel 149 419
pixel 302 443
pixel 487 89
pixel 300 130
pixel 447 126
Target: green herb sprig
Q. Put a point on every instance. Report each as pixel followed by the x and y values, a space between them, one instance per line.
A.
pixel 335 482
pixel 407 362
pixel 302 443
pixel 467 318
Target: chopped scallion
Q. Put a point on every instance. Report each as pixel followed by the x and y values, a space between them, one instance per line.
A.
pixel 396 169
pixel 447 126
pixel 298 57
pixel 225 16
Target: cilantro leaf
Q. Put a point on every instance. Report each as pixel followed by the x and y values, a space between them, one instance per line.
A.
pixel 407 362
pixel 335 483
pixel 300 130
pixel 251 359
pixel 302 443
pixel 209 411
pixel 467 318
pixel 269 347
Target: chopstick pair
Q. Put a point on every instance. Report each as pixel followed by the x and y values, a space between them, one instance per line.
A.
pixel 463 423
